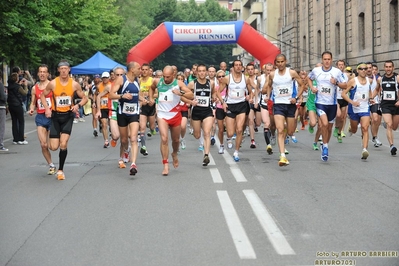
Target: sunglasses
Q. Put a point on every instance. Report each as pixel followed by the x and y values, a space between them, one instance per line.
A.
pixel 362 68
pixel 220 77
pixel 119 74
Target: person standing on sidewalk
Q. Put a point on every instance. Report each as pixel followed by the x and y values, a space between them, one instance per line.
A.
pixel 3 112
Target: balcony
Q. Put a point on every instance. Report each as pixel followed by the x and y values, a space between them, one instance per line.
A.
pixel 237 6
pixel 251 19
pixel 256 8
pixel 246 3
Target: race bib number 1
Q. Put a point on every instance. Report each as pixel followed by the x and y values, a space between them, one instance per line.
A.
pixel 236 93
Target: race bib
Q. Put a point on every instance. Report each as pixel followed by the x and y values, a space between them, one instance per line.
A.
pixel 389 95
pixel 63 101
pixel 202 101
pixel 104 103
pixel 40 104
pixel 361 97
pixel 326 90
pixel 283 91
pixel 236 93
pixel 130 108
pixel 166 96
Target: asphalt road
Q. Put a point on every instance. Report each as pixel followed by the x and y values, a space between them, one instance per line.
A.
pixel 248 213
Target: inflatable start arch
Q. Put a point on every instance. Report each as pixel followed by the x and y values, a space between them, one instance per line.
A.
pixel 191 33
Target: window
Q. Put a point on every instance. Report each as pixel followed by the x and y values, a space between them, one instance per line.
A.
pixel 337 38
pixel 362 43
pixel 319 42
pixel 394 24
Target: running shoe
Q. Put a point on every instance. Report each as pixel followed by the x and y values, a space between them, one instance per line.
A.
pixel 95 133
pixel 221 149
pixel 253 145
pixel 286 152
pixel 201 148
pixel 3 149
pixel 183 144
pixel 335 134
pixel 206 160
pixel 15 142
pixel 311 129
pixel 269 149
pixel 213 141
pixel 296 130
pixel 283 161
pixel 324 154
pixel 365 154
pixel 287 140
pixel 377 142
pixel 22 142
pixel 235 156
pixel 315 147
pixel 113 142
pixel 121 164
pixel 256 129
pixel 191 131
pixel 393 150
pixel 234 136
pixel 143 151
pixel 133 169
pixel 60 175
pixel 154 131
pixel 339 138
pixel 106 144
pixel 229 144
pixel 343 134
pixel 51 170
pixel 294 140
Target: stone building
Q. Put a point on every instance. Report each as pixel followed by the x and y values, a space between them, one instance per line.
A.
pixel 353 30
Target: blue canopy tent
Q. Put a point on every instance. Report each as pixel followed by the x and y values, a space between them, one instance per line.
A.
pixel 96 64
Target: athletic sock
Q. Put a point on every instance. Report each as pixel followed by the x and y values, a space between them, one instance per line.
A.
pixel 62 155
pixel 266 134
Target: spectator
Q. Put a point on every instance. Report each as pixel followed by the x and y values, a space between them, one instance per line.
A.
pixel 3 112
pixel 17 89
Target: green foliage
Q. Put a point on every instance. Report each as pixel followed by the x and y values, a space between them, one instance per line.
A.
pixel 45 31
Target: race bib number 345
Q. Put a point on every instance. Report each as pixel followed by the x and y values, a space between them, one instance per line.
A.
pixel 130 108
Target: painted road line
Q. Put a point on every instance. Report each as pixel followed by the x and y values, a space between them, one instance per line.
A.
pixel 216 177
pixel 237 231
pixel 212 161
pixel 271 229
pixel 235 170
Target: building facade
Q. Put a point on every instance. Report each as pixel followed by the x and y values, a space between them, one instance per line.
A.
pixel 353 30
pixel 263 16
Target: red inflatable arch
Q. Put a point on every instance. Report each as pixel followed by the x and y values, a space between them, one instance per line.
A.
pixel 169 33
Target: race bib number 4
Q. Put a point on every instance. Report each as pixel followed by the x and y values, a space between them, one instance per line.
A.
pixel 202 101
pixel 40 104
pixel 166 96
pixel 130 108
pixel 389 95
pixel 63 101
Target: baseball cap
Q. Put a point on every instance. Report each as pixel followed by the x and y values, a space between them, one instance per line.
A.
pixel 348 68
pixel 97 76
pixel 105 75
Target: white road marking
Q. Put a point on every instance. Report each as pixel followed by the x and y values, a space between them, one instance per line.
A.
pixel 237 231
pixel 216 177
pixel 212 161
pixel 270 227
pixel 235 170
